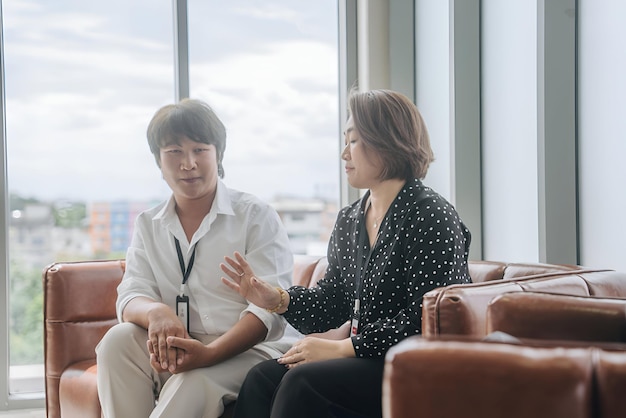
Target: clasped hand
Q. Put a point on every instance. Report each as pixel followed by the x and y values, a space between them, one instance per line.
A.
pixel 170 346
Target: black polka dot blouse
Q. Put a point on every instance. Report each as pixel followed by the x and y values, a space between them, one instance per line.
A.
pixel 422 244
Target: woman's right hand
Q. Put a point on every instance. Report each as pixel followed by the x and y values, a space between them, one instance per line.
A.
pixel 244 282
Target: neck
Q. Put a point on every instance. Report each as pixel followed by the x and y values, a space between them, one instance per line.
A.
pixel 191 212
pixel 383 194
pixel 194 207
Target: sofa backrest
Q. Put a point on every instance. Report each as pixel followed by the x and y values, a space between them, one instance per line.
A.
pixel 308 269
pixel 462 309
pixel 80 294
pixel 487 271
pixel 79 307
pixel 550 316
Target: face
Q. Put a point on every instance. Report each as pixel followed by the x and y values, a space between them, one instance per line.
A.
pixel 190 169
pixel 362 167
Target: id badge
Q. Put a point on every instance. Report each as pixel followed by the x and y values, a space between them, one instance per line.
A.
pixel 354 327
pixel 182 310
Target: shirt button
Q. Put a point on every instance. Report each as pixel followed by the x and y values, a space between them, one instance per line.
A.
pixel 206 316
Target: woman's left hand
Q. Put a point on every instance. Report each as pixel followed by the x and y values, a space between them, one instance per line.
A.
pixel 312 349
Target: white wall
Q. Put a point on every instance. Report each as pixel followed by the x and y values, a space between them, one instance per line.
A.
pixel 532 209
pixel 509 130
pixel 602 132
pixel 433 86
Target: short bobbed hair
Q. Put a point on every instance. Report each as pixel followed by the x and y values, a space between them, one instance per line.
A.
pixel 189 118
pixel 391 126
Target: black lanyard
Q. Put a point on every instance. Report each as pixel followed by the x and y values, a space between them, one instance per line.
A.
pixel 359 257
pixel 181 261
pixel 363 269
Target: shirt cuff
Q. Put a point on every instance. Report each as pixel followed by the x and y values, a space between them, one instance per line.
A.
pixel 274 323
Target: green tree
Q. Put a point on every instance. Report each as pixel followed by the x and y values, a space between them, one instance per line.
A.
pixel 26 315
pixel 70 214
pixel 17 202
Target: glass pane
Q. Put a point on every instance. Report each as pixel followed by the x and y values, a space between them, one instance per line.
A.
pixel 270 71
pixel 83 80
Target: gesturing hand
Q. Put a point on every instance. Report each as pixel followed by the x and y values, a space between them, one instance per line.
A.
pixel 244 282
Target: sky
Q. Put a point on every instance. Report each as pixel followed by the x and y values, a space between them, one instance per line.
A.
pixel 83 80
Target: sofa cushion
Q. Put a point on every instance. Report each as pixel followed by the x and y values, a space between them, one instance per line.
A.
pixel 487 271
pixel 606 283
pixel 78 391
pixel 556 316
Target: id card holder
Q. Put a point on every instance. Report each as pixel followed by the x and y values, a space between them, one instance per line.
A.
pixel 182 310
pixel 354 327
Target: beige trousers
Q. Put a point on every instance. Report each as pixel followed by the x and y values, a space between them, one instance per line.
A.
pixel 129 387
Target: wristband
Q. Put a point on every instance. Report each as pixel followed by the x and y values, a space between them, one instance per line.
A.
pixel 281 303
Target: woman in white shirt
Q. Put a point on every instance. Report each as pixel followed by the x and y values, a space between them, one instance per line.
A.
pixel 185 341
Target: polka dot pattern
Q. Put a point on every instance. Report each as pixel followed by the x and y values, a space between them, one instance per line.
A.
pixel 422 244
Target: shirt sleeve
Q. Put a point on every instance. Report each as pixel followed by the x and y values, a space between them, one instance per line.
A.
pixel 138 277
pixel 268 253
pixel 328 304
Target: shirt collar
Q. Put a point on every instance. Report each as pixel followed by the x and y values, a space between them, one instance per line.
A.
pixel 222 204
pixel 358 208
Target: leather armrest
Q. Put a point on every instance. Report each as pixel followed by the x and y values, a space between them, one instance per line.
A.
pixel 438 379
pixel 558 317
pixel 79 307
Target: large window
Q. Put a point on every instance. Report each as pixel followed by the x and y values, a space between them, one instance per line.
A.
pixel 270 71
pixel 83 79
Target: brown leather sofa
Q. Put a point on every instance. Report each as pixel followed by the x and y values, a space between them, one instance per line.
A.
pixel 484 379
pixel 79 307
pixel 546 355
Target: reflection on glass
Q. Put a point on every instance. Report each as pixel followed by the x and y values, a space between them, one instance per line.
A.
pixel 82 81
pixel 270 71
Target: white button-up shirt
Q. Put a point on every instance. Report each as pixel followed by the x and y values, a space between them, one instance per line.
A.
pixel 237 221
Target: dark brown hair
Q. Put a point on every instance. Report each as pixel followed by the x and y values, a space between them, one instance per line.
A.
pixel 189 118
pixel 391 126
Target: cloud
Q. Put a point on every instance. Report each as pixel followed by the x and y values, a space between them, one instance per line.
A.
pixel 81 91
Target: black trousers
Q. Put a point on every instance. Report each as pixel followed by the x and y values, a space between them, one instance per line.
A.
pixel 339 388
